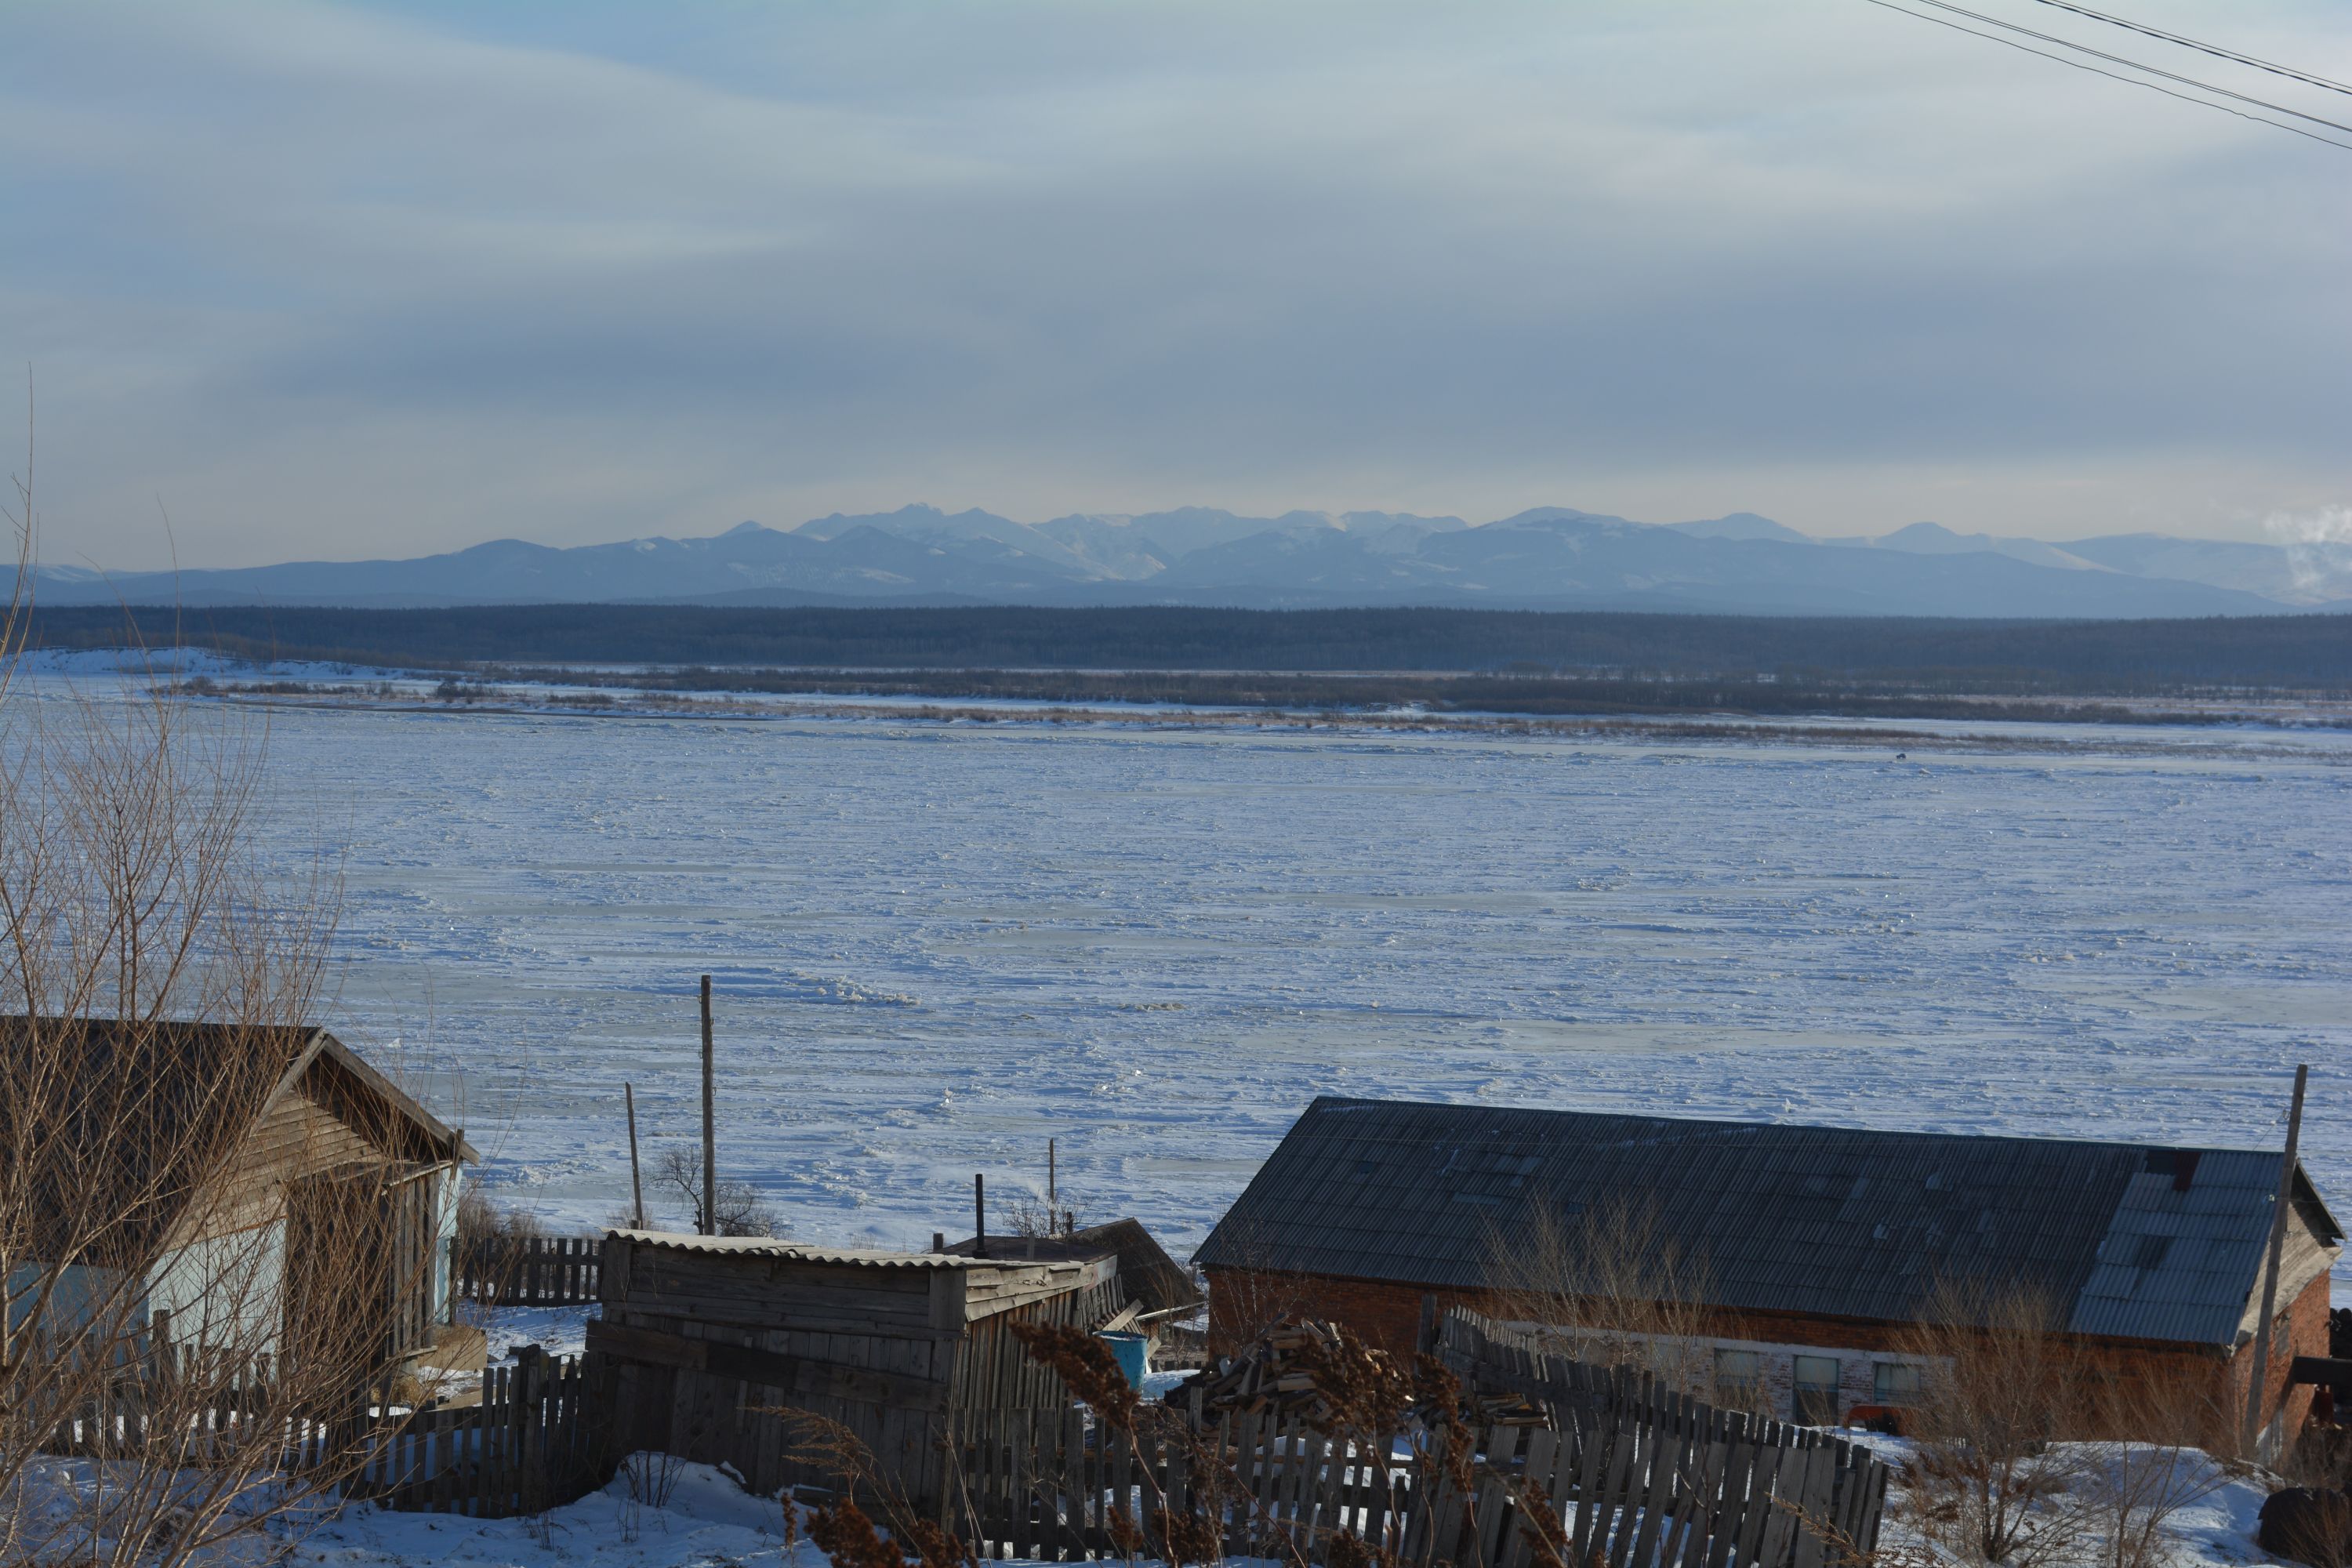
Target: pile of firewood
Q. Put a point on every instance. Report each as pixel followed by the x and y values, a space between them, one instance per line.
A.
pixel 1270 1375
pixel 1274 1375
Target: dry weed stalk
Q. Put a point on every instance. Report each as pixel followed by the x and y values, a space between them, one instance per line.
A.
pixel 842 1529
pixel 1609 1286
pixel 156 984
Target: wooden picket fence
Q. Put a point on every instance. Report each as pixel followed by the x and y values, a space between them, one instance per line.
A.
pixel 1625 1475
pixel 533 1443
pixel 1614 1488
pixel 529 1270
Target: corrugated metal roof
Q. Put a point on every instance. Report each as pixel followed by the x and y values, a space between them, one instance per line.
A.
pixel 1841 1222
pixel 847 1256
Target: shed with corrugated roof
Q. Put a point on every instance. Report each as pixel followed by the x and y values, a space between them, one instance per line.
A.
pixel 707 1341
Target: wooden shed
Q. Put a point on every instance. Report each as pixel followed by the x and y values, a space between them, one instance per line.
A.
pixel 706 1340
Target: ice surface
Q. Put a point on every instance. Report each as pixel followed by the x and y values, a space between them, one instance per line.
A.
pixel 937 945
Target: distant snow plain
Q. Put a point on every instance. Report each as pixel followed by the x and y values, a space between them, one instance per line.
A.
pixel 936 946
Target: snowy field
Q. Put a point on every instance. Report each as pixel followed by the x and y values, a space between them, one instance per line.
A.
pixel 937 945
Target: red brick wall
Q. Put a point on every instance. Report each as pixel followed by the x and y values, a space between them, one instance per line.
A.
pixel 1389 1315
pixel 2301 1328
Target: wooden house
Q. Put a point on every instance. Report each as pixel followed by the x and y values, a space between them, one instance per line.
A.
pixel 1810 1253
pixel 710 1339
pixel 195 1182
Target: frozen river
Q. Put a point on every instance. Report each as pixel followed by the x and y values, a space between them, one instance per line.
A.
pixel 936 946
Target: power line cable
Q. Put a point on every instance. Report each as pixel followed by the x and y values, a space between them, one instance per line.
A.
pixel 2216 50
pixel 2114 76
pixel 2131 64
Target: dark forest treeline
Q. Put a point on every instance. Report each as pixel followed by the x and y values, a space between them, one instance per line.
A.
pixel 1515 696
pixel 2274 653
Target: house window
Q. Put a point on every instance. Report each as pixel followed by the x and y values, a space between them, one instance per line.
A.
pixel 1894 1382
pixel 1816 1399
pixel 1737 1375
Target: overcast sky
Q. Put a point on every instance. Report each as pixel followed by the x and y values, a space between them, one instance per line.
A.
pixel 339 281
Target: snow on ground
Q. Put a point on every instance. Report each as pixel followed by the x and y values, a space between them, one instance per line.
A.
pixel 2216 1510
pixel 558 1331
pixel 709 1519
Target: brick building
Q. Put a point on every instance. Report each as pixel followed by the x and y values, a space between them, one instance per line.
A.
pixel 1816 1252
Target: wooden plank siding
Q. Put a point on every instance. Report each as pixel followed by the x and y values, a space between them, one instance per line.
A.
pixel 735 1355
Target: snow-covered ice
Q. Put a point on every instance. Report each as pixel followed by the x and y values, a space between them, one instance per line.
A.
pixel 937 945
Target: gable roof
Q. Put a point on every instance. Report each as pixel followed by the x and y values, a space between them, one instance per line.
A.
pixel 139 1117
pixel 2137 1241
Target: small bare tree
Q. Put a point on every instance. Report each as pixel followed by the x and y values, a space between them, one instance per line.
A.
pixel 2001 1383
pixel 200 1319
pixel 1027 1214
pixel 1608 1285
pixel 740 1211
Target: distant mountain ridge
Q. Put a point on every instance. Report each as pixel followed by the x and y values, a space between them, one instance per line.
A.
pixel 1546 558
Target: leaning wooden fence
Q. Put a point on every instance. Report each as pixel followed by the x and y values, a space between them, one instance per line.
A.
pixel 1495 1359
pixel 529 1270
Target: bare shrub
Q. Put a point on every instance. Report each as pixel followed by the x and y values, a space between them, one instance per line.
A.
pixel 740 1209
pixel 483 1220
pixel 648 1478
pixel 1251 1295
pixel 1609 1286
pixel 2001 1384
pixel 2150 1463
pixel 208 1329
pixel 1027 1214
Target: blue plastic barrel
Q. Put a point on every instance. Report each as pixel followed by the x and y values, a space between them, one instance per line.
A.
pixel 1134 1353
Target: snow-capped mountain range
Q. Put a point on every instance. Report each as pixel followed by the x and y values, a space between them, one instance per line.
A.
pixel 1548 558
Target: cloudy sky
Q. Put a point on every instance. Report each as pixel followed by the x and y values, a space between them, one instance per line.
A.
pixel 347 280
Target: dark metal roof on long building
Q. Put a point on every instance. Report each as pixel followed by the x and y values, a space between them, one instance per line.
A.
pixel 2132 1240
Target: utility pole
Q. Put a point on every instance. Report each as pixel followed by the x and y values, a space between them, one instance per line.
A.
pixel 2262 1368
pixel 710 1134
pixel 636 1179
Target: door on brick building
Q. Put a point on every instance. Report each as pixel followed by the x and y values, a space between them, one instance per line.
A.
pixel 1816 1397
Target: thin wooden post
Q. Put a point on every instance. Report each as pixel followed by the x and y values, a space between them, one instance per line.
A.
pixel 2262 1368
pixel 979 1215
pixel 709 1132
pixel 1051 1200
pixel 636 1180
